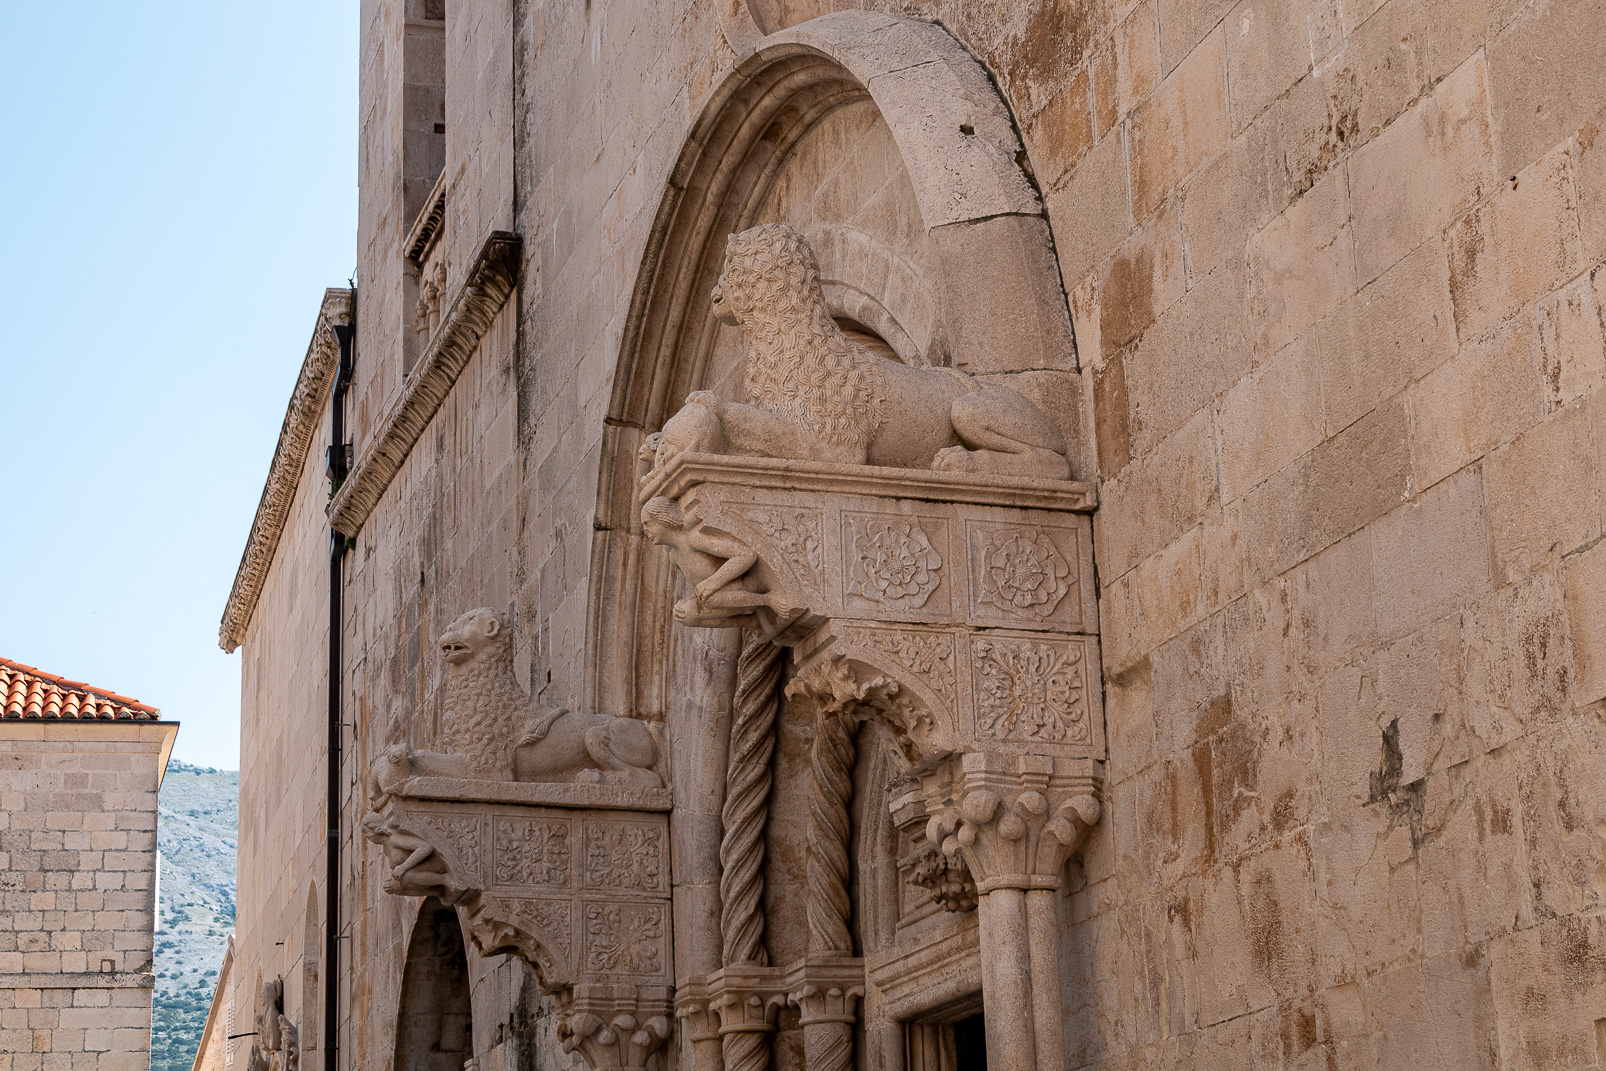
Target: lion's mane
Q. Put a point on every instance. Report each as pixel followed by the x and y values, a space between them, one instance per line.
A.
pixel 799 362
pixel 483 707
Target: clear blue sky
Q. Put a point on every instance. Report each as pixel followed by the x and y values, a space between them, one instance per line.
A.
pixel 179 179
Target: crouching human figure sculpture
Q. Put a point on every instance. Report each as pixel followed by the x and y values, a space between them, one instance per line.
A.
pixel 816 395
pixel 493 732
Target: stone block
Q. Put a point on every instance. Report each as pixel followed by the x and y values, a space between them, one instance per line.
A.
pixel 1260 653
pixel 1487 395
pixel 1470 847
pixel 1424 170
pixel 1565 959
pixel 1382 68
pixel 1302 265
pixel 1091 212
pixel 1332 598
pixel 1536 100
pixel 1367 895
pixel 1059 134
pixel 1543 494
pixel 1572 345
pixel 1183 124
pixel 1270 46
pixel 1516 247
pixel 1145 278
pixel 1397 329
pixel 1230 198
pixel 1126 69
pixel 1438 1014
pixel 1589 169
pixel 1198 348
pixel 1183 24
pixel 1338 487
pixel 1110 417
pixel 1221 557
pixel 1268 419
pixel 1157 498
pixel 1192 696
pixel 1431 556
pixel 1584 577
pixel 1169 587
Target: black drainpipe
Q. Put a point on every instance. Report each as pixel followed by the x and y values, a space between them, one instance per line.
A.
pixel 338 464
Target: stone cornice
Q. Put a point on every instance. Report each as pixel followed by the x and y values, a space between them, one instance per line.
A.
pixel 301 420
pixel 483 293
pixel 427 227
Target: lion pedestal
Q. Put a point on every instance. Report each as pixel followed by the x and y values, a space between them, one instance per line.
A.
pixel 549 829
pixel 960 610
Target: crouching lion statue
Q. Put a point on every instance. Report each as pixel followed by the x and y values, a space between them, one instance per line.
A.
pixel 493 732
pixel 817 395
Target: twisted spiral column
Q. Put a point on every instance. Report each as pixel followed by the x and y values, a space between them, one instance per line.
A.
pixel 829 906
pixel 741 850
pixel 828 1043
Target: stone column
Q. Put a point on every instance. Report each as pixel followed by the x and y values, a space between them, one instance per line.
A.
pixel 1015 820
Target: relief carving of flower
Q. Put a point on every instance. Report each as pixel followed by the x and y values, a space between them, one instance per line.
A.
pixel 896 564
pixel 1030 691
pixel 1023 572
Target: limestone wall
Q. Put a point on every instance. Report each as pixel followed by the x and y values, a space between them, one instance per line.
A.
pixel 77 889
pixel 1331 268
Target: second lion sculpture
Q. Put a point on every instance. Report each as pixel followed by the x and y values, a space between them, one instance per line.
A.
pixel 493 732
pixel 816 395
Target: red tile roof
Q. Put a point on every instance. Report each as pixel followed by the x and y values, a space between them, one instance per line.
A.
pixel 26 692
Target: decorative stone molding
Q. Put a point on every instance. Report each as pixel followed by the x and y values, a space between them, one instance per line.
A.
pixel 301 421
pixel 427 227
pixel 487 287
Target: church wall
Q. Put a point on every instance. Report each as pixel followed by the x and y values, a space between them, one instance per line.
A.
pixel 1332 271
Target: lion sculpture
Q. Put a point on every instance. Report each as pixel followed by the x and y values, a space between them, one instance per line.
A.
pixel 816 395
pixel 493 732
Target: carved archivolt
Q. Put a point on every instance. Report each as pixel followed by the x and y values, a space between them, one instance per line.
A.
pixel 301 422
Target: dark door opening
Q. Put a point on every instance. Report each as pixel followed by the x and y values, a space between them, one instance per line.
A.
pixel 970 1043
pixel 434 1028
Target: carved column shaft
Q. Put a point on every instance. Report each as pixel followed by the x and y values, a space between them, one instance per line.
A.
pixel 828 1033
pixel 748 778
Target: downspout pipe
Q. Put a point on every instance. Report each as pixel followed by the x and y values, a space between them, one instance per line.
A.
pixel 339 462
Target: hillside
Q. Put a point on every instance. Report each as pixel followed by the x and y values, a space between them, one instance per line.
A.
pixel 199 822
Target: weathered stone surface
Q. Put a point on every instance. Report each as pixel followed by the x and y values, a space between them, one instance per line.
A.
pixel 1427 168
pixel 1181 126
pixel 1336 382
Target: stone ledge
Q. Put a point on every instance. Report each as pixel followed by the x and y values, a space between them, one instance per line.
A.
pixel 1021 492
pixel 535 793
pixel 84 980
pixel 486 289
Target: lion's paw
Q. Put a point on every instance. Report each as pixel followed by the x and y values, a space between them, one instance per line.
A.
pixel 954 459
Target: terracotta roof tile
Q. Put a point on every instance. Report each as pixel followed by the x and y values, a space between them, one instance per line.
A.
pixel 26 692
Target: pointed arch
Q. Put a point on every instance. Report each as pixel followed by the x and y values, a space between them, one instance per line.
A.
pixel 998 292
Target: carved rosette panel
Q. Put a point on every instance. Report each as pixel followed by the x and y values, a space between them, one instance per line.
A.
pixel 894 563
pixel 1019 572
pixel 624 939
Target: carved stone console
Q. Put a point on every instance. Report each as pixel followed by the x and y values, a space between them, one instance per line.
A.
pixel 572 878
pixel 960 610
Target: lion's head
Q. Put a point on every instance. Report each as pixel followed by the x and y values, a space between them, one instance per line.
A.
pixel 799 362
pixel 472 635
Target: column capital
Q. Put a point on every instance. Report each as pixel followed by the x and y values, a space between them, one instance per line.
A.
pixel 1013 819
pixel 615 1027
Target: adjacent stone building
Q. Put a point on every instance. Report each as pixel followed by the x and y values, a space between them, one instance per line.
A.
pixel 79 771
pixel 1149 611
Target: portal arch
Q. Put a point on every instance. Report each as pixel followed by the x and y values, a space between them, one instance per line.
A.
pixel 992 280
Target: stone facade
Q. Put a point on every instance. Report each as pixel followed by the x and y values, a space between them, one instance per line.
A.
pixel 1303 666
pixel 77 891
